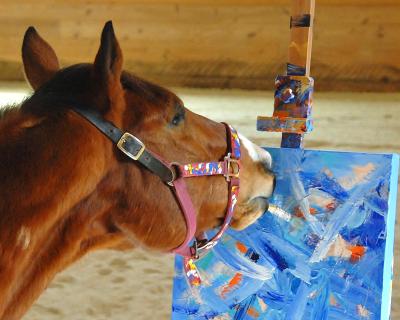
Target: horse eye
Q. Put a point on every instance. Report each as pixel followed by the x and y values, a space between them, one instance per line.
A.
pixel 178 118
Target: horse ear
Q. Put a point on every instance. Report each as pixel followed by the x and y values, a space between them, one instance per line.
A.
pixel 40 60
pixel 108 63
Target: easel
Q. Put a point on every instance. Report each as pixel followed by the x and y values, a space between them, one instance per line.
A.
pixel 293 95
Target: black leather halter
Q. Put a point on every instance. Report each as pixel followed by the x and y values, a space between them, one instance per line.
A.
pixel 129 145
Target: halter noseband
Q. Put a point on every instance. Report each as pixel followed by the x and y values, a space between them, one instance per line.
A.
pixel 174 175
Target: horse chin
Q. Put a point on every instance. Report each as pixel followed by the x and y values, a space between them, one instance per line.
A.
pixel 248 212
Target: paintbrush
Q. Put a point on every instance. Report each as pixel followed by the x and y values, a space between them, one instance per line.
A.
pixel 279 212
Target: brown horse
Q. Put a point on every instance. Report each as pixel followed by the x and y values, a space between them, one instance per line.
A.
pixel 67 190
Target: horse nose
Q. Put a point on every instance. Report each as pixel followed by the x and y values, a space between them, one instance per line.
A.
pixel 266 159
pixel 263 157
pixel 257 153
pixel 266 162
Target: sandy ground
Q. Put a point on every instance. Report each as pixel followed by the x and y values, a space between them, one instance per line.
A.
pixel 137 285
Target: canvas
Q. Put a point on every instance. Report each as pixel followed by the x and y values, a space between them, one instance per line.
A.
pixel 332 260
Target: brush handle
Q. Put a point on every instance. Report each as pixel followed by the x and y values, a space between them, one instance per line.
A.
pixel 278 212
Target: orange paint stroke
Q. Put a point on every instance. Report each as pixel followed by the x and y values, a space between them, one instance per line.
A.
pixel 333 301
pixel 331 206
pixel 357 252
pixel 253 313
pixel 298 213
pixel 241 247
pixel 237 278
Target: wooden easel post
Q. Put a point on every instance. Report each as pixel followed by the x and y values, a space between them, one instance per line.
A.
pixel 293 92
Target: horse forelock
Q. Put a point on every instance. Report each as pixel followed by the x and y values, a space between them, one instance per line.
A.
pixel 144 88
pixel 7 110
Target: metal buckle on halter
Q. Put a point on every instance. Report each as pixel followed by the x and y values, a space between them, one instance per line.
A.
pixel 127 137
pixel 232 167
pixel 194 250
pixel 199 245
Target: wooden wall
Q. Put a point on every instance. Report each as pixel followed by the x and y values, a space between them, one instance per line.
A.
pixel 211 43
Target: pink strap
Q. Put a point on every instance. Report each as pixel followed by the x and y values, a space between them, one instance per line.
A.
pixel 188 210
pixel 230 169
pixel 233 196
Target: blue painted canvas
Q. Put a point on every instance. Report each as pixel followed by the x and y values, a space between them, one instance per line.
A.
pixel 332 260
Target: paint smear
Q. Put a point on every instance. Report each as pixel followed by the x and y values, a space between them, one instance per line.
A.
pixel 230 286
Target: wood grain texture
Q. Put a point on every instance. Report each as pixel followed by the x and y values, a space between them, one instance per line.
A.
pixel 300 45
pixel 227 44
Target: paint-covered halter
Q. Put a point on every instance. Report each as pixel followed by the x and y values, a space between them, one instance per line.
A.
pixel 174 175
pixel 229 168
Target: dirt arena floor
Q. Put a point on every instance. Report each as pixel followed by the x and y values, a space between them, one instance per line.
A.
pixel 137 285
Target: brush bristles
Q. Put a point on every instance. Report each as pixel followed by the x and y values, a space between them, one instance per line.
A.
pixel 278 212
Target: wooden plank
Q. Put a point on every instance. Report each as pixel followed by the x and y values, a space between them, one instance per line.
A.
pixel 301 37
pixel 246 3
pixel 236 45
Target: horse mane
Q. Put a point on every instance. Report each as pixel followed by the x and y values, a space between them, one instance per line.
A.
pixel 64 91
pixel 9 109
pixel 143 88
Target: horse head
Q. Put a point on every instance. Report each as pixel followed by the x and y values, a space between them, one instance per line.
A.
pixel 126 198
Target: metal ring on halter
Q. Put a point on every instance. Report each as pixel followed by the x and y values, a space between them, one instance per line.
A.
pixel 194 249
pixel 174 169
pixel 199 245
